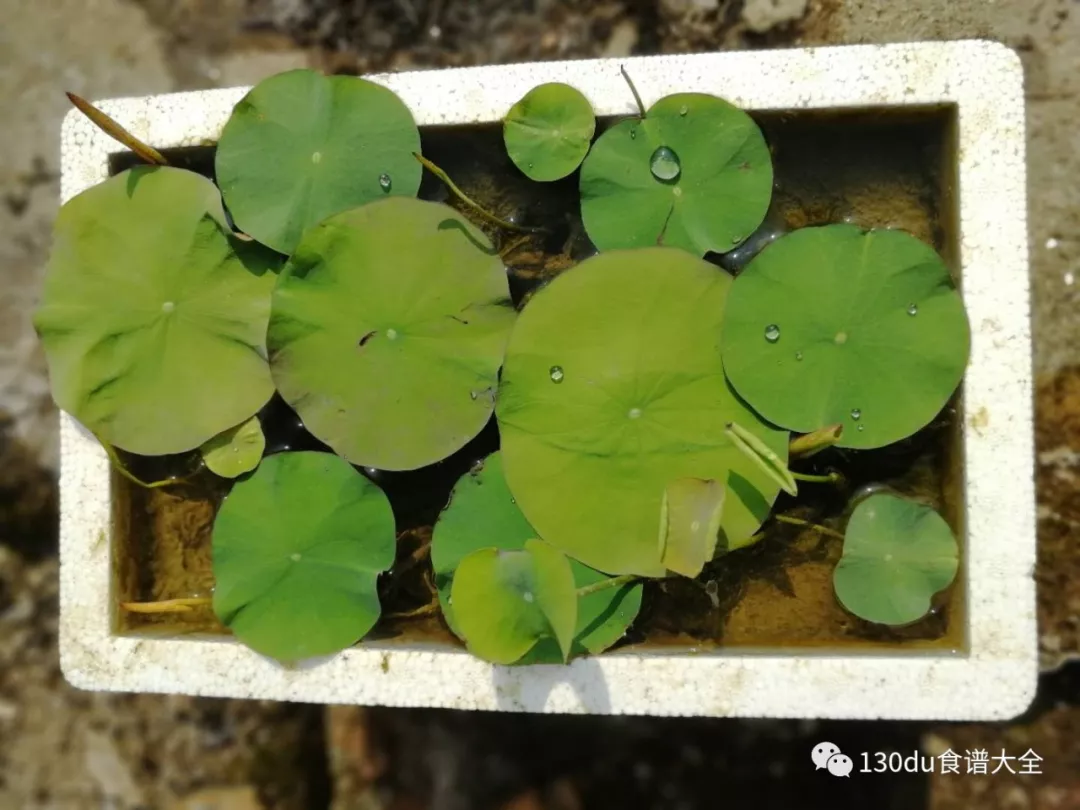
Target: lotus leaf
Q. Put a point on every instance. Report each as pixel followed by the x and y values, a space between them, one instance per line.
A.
pixel 153 316
pixel 301 146
pixel 694 173
pixel 836 325
pixel 690 515
pixel 547 133
pixel 297 549
pixel 482 514
pixel 613 389
pixel 505 602
pixel 387 332
pixel 897 555
pixel 236 451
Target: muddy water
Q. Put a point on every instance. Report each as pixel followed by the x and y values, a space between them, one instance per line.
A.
pixel 870 168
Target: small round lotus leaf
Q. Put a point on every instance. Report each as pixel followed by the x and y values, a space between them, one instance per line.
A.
pixel 483 514
pixel 387 332
pixel 547 133
pixel 301 146
pixel 613 389
pixel 508 601
pixel 297 549
pixel 836 325
pixel 707 190
pixel 236 450
pixel 897 555
pixel 153 316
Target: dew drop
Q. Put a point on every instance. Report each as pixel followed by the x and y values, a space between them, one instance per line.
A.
pixel 556 374
pixel 633 134
pixel 798 355
pixel 683 110
pixel 635 413
pixel 856 414
pixel 664 164
pixel 236 449
pixel 913 309
pixel 772 333
pixel 860 428
pixel 316 157
pixel 527 596
pixel 295 557
pixel 472 395
pixel 168 306
pixel 385 182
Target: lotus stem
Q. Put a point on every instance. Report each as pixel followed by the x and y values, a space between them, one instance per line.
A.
pixel 831 478
pixel 117 132
pixel 467 200
pixel 633 89
pixel 604 584
pixel 794 521
pixel 812 443
pixel 167 605
pixel 118 465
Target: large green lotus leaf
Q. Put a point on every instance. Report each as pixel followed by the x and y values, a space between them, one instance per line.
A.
pixel 695 173
pixel 483 514
pixel 613 389
pixel 547 133
pixel 387 332
pixel 834 325
pixel 302 146
pixel 153 316
pixel 508 601
pixel 897 555
pixel 235 451
pixel 297 549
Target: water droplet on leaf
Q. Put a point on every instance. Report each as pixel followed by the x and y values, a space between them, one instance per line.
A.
pixel 472 395
pixel 633 134
pixel 683 110
pixel 385 182
pixel 798 355
pixel 772 333
pixel 556 374
pixel 527 596
pixel 913 309
pixel 856 414
pixel 664 164
pixel 860 428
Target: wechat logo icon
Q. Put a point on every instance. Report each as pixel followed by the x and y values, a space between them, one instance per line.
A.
pixel 828 756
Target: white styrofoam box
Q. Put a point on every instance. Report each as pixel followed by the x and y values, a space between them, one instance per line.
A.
pixel 996 676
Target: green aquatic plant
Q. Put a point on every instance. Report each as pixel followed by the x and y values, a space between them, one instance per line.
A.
pixel 898 555
pixel 301 146
pixel 483 514
pixel 387 332
pixel 613 389
pixel 153 315
pixel 547 133
pixel 297 549
pixel 235 451
pixel 508 601
pixel 694 172
pixel 645 400
pixel 859 328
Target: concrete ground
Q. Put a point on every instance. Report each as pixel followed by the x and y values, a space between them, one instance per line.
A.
pixel 64 749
